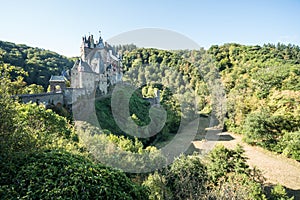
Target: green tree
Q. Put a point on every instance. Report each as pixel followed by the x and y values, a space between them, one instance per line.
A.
pixel 231 177
pixel 223 161
pixel 8 111
pixel 40 64
pixel 187 178
pixel 62 175
pixel 278 193
pixel 258 127
pixel 289 145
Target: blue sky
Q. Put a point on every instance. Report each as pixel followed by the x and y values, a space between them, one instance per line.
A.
pixel 59 24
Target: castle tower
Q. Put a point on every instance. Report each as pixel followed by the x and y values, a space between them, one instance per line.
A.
pixel 87 46
pixel 98 67
pixel 57 81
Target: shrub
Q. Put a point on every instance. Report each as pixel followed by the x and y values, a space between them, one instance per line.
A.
pixel 61 175
pixel 289 145
pixel 236 186
pixel 185 178
pixel 157 185
pixel 36 128
pixel 257 127
pixel 222 161
pixel 231 177
pixel 278 193
pixel 119 151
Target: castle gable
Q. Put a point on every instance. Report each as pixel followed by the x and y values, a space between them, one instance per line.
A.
pixel 85 67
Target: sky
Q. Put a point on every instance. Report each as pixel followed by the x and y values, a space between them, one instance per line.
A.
pixel 59 25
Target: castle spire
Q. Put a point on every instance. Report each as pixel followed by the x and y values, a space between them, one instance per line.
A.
pixel 100 42
pixel 92 43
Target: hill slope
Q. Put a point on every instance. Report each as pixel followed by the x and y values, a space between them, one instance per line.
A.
pixel 39 63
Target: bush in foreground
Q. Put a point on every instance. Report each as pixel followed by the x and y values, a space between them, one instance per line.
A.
pixel 61 175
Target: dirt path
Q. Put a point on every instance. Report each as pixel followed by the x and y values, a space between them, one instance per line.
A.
pixel 275 168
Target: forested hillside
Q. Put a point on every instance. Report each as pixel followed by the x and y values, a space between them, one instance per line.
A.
pixel 182 88
pixel 39 63
pixel 262 86
pixel 178 71
pixel 263 94
pixel 43 157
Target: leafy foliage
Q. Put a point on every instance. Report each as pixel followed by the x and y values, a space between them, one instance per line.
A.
pixel 139 111
pixel 28 127
pixel 223 161
pixel 138 107
pixel 231 176
pixel 185 80
pixel 278 192
pixel 289 145
pixel 176 71
pixel 262 86
pixel 158 188
pixel 41 157
pixel 61 175
pixel 237 186
pixel 223 174
pixel 118 151
pixel 40 64
pixel 186 178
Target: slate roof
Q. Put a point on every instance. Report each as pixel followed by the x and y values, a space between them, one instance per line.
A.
pixel 57 79
pixel 85 67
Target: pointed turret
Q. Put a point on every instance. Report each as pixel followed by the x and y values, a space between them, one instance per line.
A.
pixel 86 46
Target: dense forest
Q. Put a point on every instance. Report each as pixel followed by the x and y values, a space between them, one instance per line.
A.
pixel 262 86
pixel 263 94
pixel 44 155
pixel 39 64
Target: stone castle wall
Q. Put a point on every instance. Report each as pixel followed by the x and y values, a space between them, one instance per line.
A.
pixel 44 98
pixel 72 94
pixel 67 97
